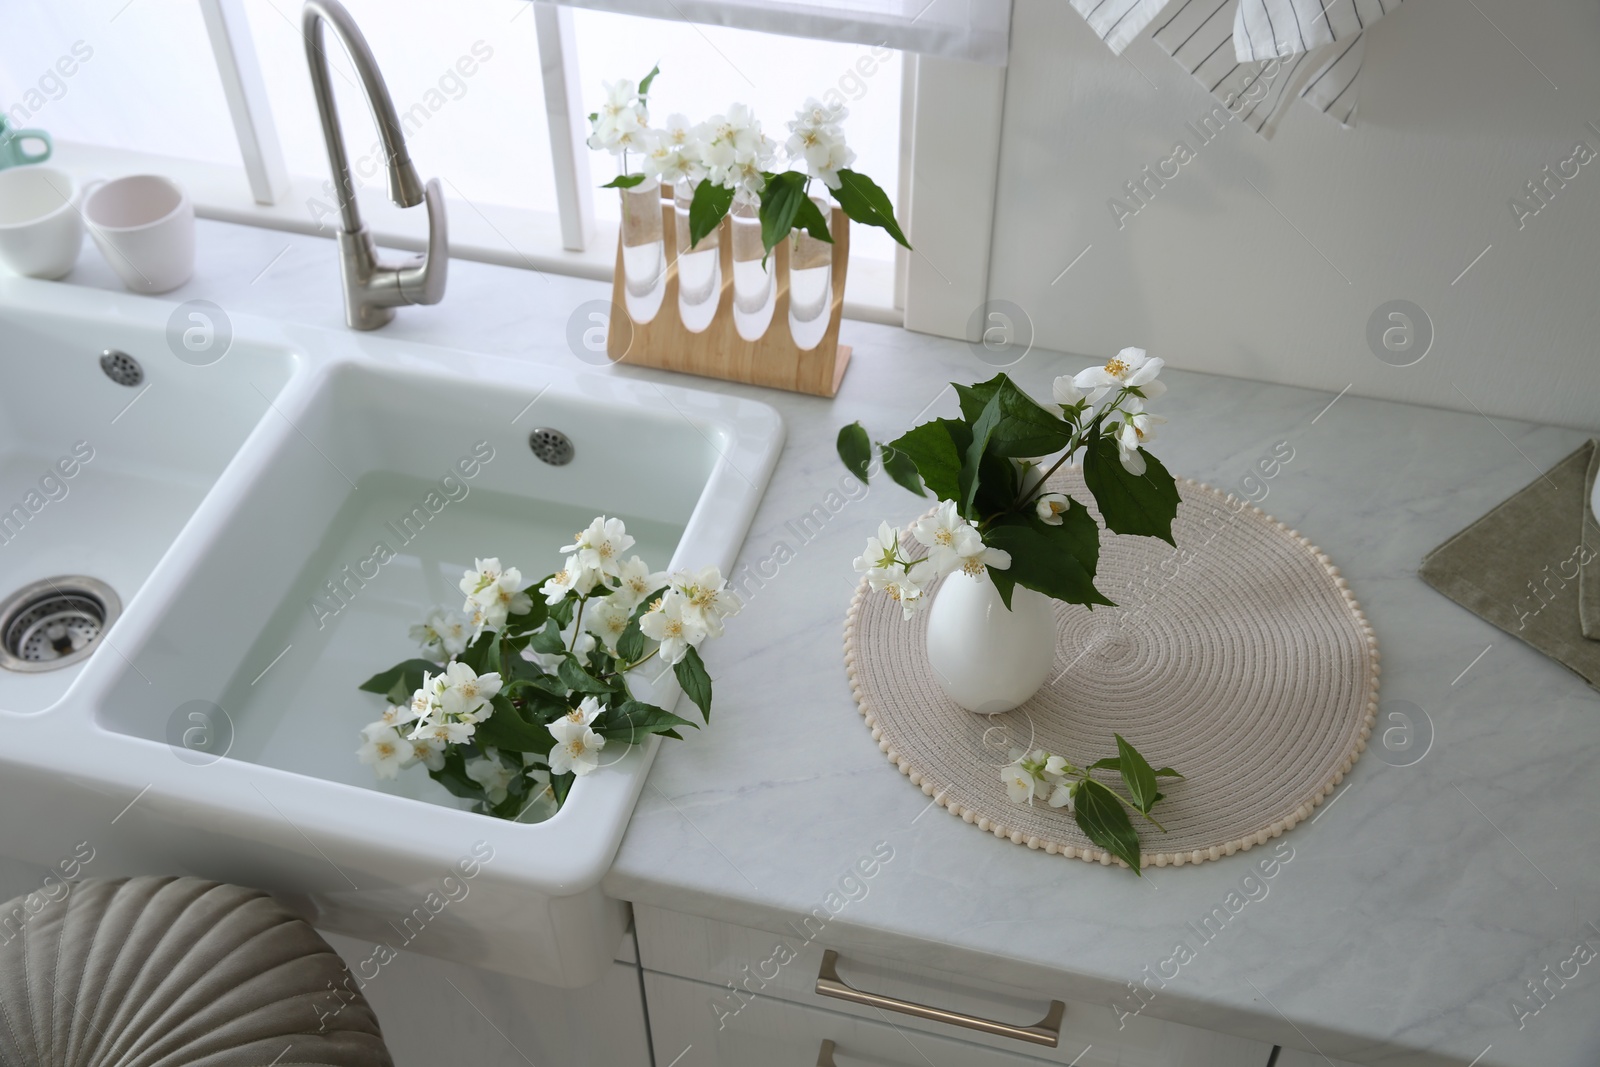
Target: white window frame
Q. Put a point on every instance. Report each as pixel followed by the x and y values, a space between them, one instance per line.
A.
pixel 949 153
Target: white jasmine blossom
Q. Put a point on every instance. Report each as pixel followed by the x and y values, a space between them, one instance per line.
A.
pixel 1051 507
pixel 571 577
pixel 384 749
pixel 676 629
pixel 465 694
pixel 882 551
pixel 1063 795
pixel 736 153
pixel 493 593
pixel 577 747
pixel 444 634
pixel 636 581
pixel 1019 783
pixel 1137 427
pixel 816 139
pixel 1065 392
pixel 675 153
pixel 588 709
pixel 706 598
pixel 621 123
pixel 906 586
pixel 1128 369
pixel 429 752
pixel 600 546
pixel 494 776
pixel 607 619
pixel 955 544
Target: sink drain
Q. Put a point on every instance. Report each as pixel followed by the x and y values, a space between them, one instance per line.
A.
pixel 55 623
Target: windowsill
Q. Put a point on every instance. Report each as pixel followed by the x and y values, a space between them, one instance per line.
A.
pixel 486 233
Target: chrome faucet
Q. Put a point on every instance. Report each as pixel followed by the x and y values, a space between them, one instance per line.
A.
pixel 373 287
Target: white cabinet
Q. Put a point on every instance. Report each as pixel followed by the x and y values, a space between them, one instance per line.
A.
pixel 738 974
pixel 436 1012
pixel 778 1033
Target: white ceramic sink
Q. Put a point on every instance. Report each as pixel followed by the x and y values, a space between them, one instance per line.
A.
pixel 252 500
pixel 97 475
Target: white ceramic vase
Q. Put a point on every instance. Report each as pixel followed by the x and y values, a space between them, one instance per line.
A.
pixel 985 658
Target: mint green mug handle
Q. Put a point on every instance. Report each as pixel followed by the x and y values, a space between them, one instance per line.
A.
pixel 11 141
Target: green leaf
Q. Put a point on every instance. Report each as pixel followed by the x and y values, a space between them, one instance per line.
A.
pixel 538 611
pixel 644 83
pixel 630 646
pixel 710 205
pixel 861 199
pixel 1139 775
pixel 1058 561
pixel 579 680
pixel 1025 429
pixel 549 640
pixel 506 729
pixel 855 450
pixel 1103 820
pixel 561 785
pixel 935 449
pixel 1131 503
pixel 780 204
pixel 623 181
pixel 694 680
pixel 1112 763
pixel 403 677
pixel 635 720
pixel 811 220
pixel 901 469
pixel 972 465
pixel 453 776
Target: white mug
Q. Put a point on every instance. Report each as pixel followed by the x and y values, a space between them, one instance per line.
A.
pixel 41 230
pixel 144 226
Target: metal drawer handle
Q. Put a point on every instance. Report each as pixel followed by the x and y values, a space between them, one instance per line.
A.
pixel 1045 1032
pixel 825 1055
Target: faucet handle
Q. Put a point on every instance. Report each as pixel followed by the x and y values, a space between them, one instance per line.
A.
pixel 424 283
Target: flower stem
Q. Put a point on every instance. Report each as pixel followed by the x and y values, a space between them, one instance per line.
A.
pixel 577 623
pixel 640 663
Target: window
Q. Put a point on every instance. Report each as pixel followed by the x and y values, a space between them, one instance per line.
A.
pixel 492 95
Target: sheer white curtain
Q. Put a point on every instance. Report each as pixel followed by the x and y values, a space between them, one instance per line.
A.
pixel 977 30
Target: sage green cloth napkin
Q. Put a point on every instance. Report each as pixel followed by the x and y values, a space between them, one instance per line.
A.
pixel 1529 564
pixel 1589 579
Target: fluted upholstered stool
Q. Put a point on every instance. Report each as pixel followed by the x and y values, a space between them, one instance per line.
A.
pixel 174 972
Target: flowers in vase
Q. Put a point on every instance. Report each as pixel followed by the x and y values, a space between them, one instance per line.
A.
pixel 997 514
pixel 999 518
pixel 729 160
pixel 520 694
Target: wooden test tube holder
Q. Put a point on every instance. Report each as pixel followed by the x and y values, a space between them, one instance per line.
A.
pixel 718 351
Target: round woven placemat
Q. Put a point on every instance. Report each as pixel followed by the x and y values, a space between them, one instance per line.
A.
pixel 1238 658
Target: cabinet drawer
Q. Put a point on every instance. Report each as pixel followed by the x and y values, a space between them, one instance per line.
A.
pixel 743 967
pixel 778 1033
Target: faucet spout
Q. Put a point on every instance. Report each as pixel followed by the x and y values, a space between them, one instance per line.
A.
pixel 373 287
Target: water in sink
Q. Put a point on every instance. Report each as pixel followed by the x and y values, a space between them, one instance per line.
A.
pixel 293 704
pixel 438 471
pixel 98 477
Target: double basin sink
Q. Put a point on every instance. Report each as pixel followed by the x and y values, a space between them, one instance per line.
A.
pixel 209 539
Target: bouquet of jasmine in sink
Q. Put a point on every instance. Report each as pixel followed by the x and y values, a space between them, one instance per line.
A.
pixel 519 695
pixel 1007 542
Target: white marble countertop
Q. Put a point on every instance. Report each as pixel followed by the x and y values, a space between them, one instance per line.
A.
pixel 1418 904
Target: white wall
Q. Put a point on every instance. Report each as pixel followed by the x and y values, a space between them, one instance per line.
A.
pixel 1453 122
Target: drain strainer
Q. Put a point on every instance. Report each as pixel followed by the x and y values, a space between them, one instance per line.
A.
pixel 551 446
pixel 55 623
pixel 121 367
